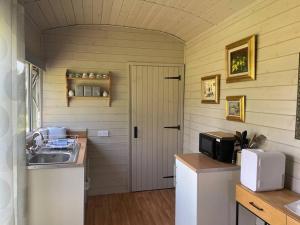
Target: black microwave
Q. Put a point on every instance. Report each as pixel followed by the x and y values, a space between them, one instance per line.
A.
pixel 217 145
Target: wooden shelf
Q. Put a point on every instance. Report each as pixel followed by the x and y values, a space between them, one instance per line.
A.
pixel 80 78
pixel 72 82
pixel 100 97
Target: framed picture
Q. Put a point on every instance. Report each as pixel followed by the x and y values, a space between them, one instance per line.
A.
pixel 240 60
pixel 235 108
pixel 210 89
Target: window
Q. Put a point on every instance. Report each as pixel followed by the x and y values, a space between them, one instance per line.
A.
pixel 33 85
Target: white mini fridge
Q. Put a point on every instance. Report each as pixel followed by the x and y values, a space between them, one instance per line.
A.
pixel 262 171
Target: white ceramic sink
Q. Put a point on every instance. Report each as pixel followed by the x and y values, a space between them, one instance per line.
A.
pixel 294 207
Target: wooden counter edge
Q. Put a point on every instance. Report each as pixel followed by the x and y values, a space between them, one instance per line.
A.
pixel 82 151
pixel 225 168
pixel 185 163
pixel 292 216
pixel 291 220
pixel 281 208
pixel 82 140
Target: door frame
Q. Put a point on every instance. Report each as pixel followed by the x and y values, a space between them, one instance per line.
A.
pixel 130 107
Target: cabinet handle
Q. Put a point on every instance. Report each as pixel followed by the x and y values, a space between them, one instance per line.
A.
pixel 255 206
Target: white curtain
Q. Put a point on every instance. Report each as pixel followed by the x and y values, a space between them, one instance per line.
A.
pixel 12 114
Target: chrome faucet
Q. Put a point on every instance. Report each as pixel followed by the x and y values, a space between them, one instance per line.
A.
pixel 34 147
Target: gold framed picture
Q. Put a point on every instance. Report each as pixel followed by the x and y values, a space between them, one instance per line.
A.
pixel 210 89
pixel 235 108
pixel 240 60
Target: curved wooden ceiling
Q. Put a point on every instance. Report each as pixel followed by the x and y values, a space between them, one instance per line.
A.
pixel 182 18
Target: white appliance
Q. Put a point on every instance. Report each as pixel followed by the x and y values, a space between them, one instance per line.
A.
pixel 262 171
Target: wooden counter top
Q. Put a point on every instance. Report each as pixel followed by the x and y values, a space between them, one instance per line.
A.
pixel 202 163
pixel 82 140
pixel 82 152
pixel 276 199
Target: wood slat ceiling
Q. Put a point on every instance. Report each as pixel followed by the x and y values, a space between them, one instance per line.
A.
pixel 182 18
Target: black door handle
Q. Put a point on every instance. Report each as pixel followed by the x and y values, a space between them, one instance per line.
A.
pixel 135 132
pixel 173 127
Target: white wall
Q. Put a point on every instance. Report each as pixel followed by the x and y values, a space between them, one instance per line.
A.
pixel 271 99
pixel 33 43
pixel 101 48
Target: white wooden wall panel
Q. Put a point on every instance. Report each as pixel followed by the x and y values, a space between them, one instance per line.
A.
pixel 183 18
pixel 271 99
pixel 133 13
pixel 58 11
pixel 34 11
pixel 66 6
pixel 33 42
pixel 77 6
pixel 106 12
pixel 48 13
pixel 116 7
pixel 97 11
pixel 88 11
pixel 101 48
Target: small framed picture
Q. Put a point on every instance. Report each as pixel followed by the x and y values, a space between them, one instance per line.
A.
pixel 210 89
pixel 240 60
pixel 235 108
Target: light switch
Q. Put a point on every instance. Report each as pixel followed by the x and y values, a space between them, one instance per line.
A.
pixel 103 133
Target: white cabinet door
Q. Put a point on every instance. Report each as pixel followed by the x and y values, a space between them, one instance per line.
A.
pixel 216 193
pixel 186 195
pixel 56 196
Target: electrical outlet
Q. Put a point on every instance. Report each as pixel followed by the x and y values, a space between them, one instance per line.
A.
pixel 103 133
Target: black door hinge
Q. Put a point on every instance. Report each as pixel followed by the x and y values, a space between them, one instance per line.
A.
pixel 174 127
pixel 173 78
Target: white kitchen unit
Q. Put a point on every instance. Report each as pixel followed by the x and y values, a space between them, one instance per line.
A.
pixel 56 196
pixel 56 192
pixel 205 190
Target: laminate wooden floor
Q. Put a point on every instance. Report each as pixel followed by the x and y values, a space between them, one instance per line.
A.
pixel 137 208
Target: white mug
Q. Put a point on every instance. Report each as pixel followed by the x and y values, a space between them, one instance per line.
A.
pixel 71 93
pixel 91 75
pixel 105 94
